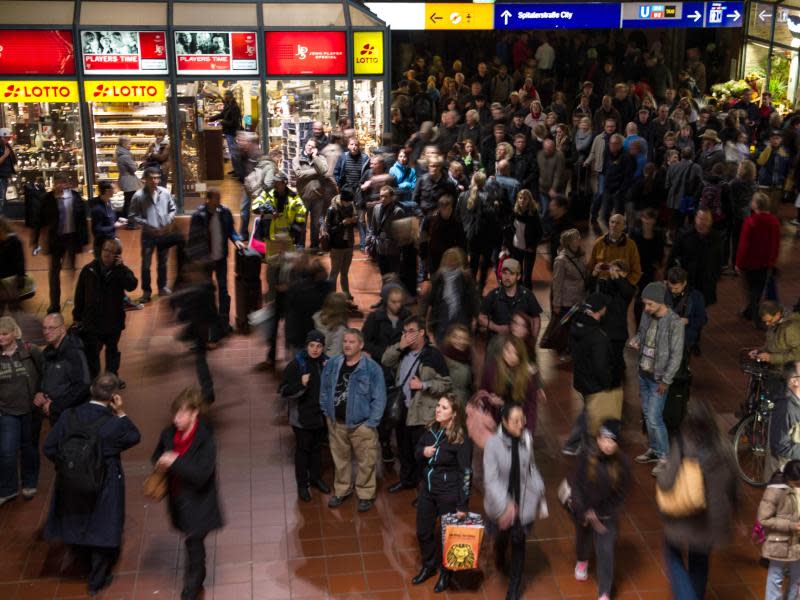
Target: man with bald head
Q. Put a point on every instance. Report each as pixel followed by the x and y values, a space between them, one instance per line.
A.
pixel 65 375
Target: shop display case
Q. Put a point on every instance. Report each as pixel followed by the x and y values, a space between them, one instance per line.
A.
pixel 47 139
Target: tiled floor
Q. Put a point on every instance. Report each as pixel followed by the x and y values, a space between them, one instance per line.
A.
pixel 274 547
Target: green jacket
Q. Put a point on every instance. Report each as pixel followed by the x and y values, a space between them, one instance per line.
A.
pixel 783 340
pixel 432 371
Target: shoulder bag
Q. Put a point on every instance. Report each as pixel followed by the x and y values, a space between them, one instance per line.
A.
pixel 687 497
pixel 396 400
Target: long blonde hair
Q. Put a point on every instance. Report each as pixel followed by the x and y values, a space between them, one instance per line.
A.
pixel 478 181
pixel 519 375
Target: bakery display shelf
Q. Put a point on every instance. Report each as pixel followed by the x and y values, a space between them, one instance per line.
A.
pixel 128 126
pixel 161 113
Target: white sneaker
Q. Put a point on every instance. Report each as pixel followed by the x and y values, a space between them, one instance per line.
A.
pixel 582 570
pixel 29 493
pixel 5 499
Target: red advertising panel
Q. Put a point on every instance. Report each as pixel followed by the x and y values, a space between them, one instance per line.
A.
pixel 306 53
pixel 216 53
pixel 36 52
pixel 124 52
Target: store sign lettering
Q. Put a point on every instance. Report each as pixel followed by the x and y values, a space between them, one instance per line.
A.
pixel 38 91
pixel 368 52
pixel 124 91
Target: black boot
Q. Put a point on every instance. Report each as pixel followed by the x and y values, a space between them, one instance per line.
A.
pixel 424 574
pixel 444 581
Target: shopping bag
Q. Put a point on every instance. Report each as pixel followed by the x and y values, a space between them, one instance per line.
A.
pixel 461 541
pixel 601 406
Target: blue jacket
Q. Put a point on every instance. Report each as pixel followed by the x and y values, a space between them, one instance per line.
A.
pixel 366 394
pixel 72 518
pixel 103 219
pixel 406 178
pixel 199 245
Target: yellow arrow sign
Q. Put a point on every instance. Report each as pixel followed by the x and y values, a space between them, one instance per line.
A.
pixel 459 16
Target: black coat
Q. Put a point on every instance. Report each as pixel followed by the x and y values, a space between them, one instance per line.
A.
pixel 595 488
pixel 84 521
pixel 443 235
pixel 12 257
pixel 439 319
pixel 304 408
pixel 65 378
pixel 621 292
pixel 591 355
pixel 49 219
pixel 701 256
pixel 99 297
pixel 303 298
pixel 193 500
pixel 448 473
pixel 379 333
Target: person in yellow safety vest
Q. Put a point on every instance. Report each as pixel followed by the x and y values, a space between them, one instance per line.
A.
pixel 281 210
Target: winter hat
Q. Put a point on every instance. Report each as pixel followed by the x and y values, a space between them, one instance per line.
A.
pixel 315 336
pixel 610 428
pixel 655 291
pixel 597 301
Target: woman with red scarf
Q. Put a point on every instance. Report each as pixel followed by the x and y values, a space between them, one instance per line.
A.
pixel 186 451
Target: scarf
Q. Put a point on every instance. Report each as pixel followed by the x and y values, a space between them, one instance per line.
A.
pixel 181 442
pixel 514 474
pixel 462 356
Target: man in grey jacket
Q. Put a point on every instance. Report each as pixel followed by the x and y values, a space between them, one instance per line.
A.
pixel 314 185
pixel 660 345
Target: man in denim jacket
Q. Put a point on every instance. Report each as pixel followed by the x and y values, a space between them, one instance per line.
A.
pixel 352 398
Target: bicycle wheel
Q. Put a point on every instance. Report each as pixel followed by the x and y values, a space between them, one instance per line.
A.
pixel 751 448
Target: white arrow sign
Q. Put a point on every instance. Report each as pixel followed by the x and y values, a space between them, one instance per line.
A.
pixel 505 14
pixel 695 16
pixel 735 16
pixel 763 15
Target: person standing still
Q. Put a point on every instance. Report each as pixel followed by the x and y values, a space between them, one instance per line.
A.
pixel 128 182
pixel 231 120
pixel 8 161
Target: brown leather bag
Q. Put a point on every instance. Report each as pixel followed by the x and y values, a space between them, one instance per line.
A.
pixel 155 486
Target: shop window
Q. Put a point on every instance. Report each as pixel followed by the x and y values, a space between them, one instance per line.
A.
pixel 293 106
pixel 129 13
pixel 304 15
pixel 760 24
pixel 368 111
pixel 204 151
pixel 214 15
pixel 47 140
pixel 787 26
pixel 54 12
pixel 756 58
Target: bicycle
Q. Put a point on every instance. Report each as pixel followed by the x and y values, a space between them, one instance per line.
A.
pixel 751 434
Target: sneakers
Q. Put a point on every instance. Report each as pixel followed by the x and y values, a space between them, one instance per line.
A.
pixel 336 501
pixel 29 493
pixel 386 454
pixel 365 505
pixel 648 457
pixel 5 499
pixel 605 597
pixel 146 297
pixel 582 570
pixel 795 222
pixel 571 450
pixel 660 466
pixel 165 291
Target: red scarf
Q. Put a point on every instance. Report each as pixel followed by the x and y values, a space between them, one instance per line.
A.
pixel 181 442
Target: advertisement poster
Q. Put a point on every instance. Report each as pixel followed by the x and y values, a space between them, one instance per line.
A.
pixel 306 53
pixel 36 52
pixel 216 53
pixel 124 52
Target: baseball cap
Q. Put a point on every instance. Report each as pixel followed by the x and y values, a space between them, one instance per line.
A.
pixel 512 265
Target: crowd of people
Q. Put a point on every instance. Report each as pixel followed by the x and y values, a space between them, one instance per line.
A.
pixel 474 183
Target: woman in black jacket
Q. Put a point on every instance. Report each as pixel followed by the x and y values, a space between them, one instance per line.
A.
pixel 620 293
pixel 301 387
pixel 446 452
pixel 524 234
pixel 187 453
pixel 598 491
pixel 340 222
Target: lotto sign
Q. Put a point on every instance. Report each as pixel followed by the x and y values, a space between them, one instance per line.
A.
pixel 124 91
pixel 36 52
pixel 216 53
pixel 368 52
pixel 124 52
pixel 38 91
pixel 306 53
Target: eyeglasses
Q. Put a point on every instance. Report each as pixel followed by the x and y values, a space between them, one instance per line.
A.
pixel 410 331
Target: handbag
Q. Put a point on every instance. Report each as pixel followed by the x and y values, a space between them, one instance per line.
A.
pixel 396 400
pixel 461 541
pixel 155 486
pixel 687 496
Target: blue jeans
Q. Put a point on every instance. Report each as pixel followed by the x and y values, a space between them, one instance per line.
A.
pixel 775 578
pixel 688 581
pixel 362 228
pixel 16 444
pixel 544 202
pixel 233 149
pixel 653 408
pixel 244 217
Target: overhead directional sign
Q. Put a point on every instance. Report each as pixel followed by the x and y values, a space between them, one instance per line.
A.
pixel 724 14
pixel 458 16
pixel 662 15
pixel 556 16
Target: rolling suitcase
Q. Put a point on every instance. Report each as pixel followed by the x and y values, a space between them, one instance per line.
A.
pixel 247 287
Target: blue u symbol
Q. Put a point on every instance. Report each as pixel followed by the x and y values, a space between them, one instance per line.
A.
pixel 644 12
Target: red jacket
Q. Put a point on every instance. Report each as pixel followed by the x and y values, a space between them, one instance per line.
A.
pixel 758 242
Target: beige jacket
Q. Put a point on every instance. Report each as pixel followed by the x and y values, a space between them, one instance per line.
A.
pixel 778 514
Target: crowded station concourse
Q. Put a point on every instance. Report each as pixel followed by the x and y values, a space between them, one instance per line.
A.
pixel 556 306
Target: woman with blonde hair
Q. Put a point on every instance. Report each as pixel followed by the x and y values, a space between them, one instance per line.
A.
pixel 21 366
pixel 524 234
pixel 331 321
pixel 453 297
pixel 446 453
pixel 481 226
pixel 187 454
pixel 503 151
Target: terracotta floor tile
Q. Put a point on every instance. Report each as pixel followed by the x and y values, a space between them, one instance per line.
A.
pixel 385 580
pixel 344 584
pixel 239 591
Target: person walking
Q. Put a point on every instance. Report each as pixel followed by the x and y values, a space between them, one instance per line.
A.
pixel 339 225
pixel 127 181
pixel 353 398
pixel 187 453
pixel 453 297
pixel 92 523
pixel 598 488
pixel 21 366
pixel 699 439
pixel 569 283
pixel 445 452
pixel 513 493
pixel 524 234
pixel 99 312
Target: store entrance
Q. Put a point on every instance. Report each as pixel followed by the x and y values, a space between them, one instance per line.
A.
pixel 206 150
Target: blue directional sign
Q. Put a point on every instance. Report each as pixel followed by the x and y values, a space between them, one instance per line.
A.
pixel 557 16
pixel 724 14
pixel 646 15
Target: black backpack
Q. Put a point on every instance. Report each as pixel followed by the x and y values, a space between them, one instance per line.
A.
pixel 80 464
